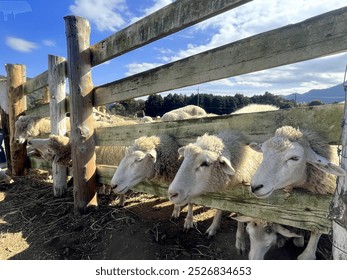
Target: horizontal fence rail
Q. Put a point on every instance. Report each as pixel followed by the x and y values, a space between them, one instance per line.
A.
pixel 325 120
pixel 300 209
pixel 316 37
pixel 170 19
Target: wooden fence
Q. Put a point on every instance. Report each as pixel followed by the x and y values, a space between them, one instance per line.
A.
pixel 319 36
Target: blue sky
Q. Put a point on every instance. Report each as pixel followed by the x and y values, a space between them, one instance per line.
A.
pixel 35 29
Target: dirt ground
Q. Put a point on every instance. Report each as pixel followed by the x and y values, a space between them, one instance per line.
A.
pixel 36 226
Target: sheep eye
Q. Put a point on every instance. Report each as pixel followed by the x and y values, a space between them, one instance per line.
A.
pixel 205 164
pixel 268 230
pixel 294 158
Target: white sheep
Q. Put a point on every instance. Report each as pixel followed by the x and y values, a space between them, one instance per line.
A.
pixel 295 158
pixel 251 108
pixel 146 119
pixel 58 148
pixel 187 112
pixel 263 235
pixel 27 127
pixel 155 158
pixel 213 163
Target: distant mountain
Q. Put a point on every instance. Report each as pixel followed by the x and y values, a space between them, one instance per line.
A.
pixel 327 95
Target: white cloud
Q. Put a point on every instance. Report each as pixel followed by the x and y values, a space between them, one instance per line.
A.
pixel 253 18
pixel 105 14
pixel 20 45
pixel 49 43
pixel 135 68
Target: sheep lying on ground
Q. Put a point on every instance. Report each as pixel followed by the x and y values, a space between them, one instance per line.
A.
pixel 154 158
pixel 3 176
pixel 263 235
pixel 212 163
pixel 146 119
pixel 187 112
pixel 251 108
pixel 295 158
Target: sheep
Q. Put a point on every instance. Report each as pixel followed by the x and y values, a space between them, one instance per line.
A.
pixel 146 119
pixel 187 112
pixel 296 158
pixel 154 158
pixel 212 163
pixel 251 108
pixel 27 127
pixel 6 178
pixel 263 235
pixel 58 148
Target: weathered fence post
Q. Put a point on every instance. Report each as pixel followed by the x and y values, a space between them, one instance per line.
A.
pixel 57 91
pixel 16 77
pixel 338 211
pixel 81 112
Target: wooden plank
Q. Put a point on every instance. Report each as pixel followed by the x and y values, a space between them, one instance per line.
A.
pixel 16 77
pixel 40 81
pixel 316 37
pixel 57 90
pixel 81 114
pixel 172 18
pixel 299 209
pixel 39 111
pixel 325 119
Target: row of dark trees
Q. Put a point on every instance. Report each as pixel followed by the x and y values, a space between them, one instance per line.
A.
pixel 156 105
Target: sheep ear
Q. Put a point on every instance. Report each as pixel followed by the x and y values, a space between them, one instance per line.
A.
pixel 226 166
pixel 127 151
pixel 285 232
pixel 181 151
pixel 324 164
pixel 256 147
pixel 241 218
pixel 153 154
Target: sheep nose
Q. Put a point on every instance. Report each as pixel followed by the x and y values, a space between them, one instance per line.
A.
pixel 256 188
pixel 173 195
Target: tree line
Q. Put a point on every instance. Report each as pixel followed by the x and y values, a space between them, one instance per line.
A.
pixel 156 105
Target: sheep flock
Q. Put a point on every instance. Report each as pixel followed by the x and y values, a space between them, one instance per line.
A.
pixel 292 158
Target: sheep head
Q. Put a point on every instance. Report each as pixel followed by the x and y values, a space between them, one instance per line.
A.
pixel 24 128
pixel 287 161
pixel 205 167
pixel 136 166
pixel 263 235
